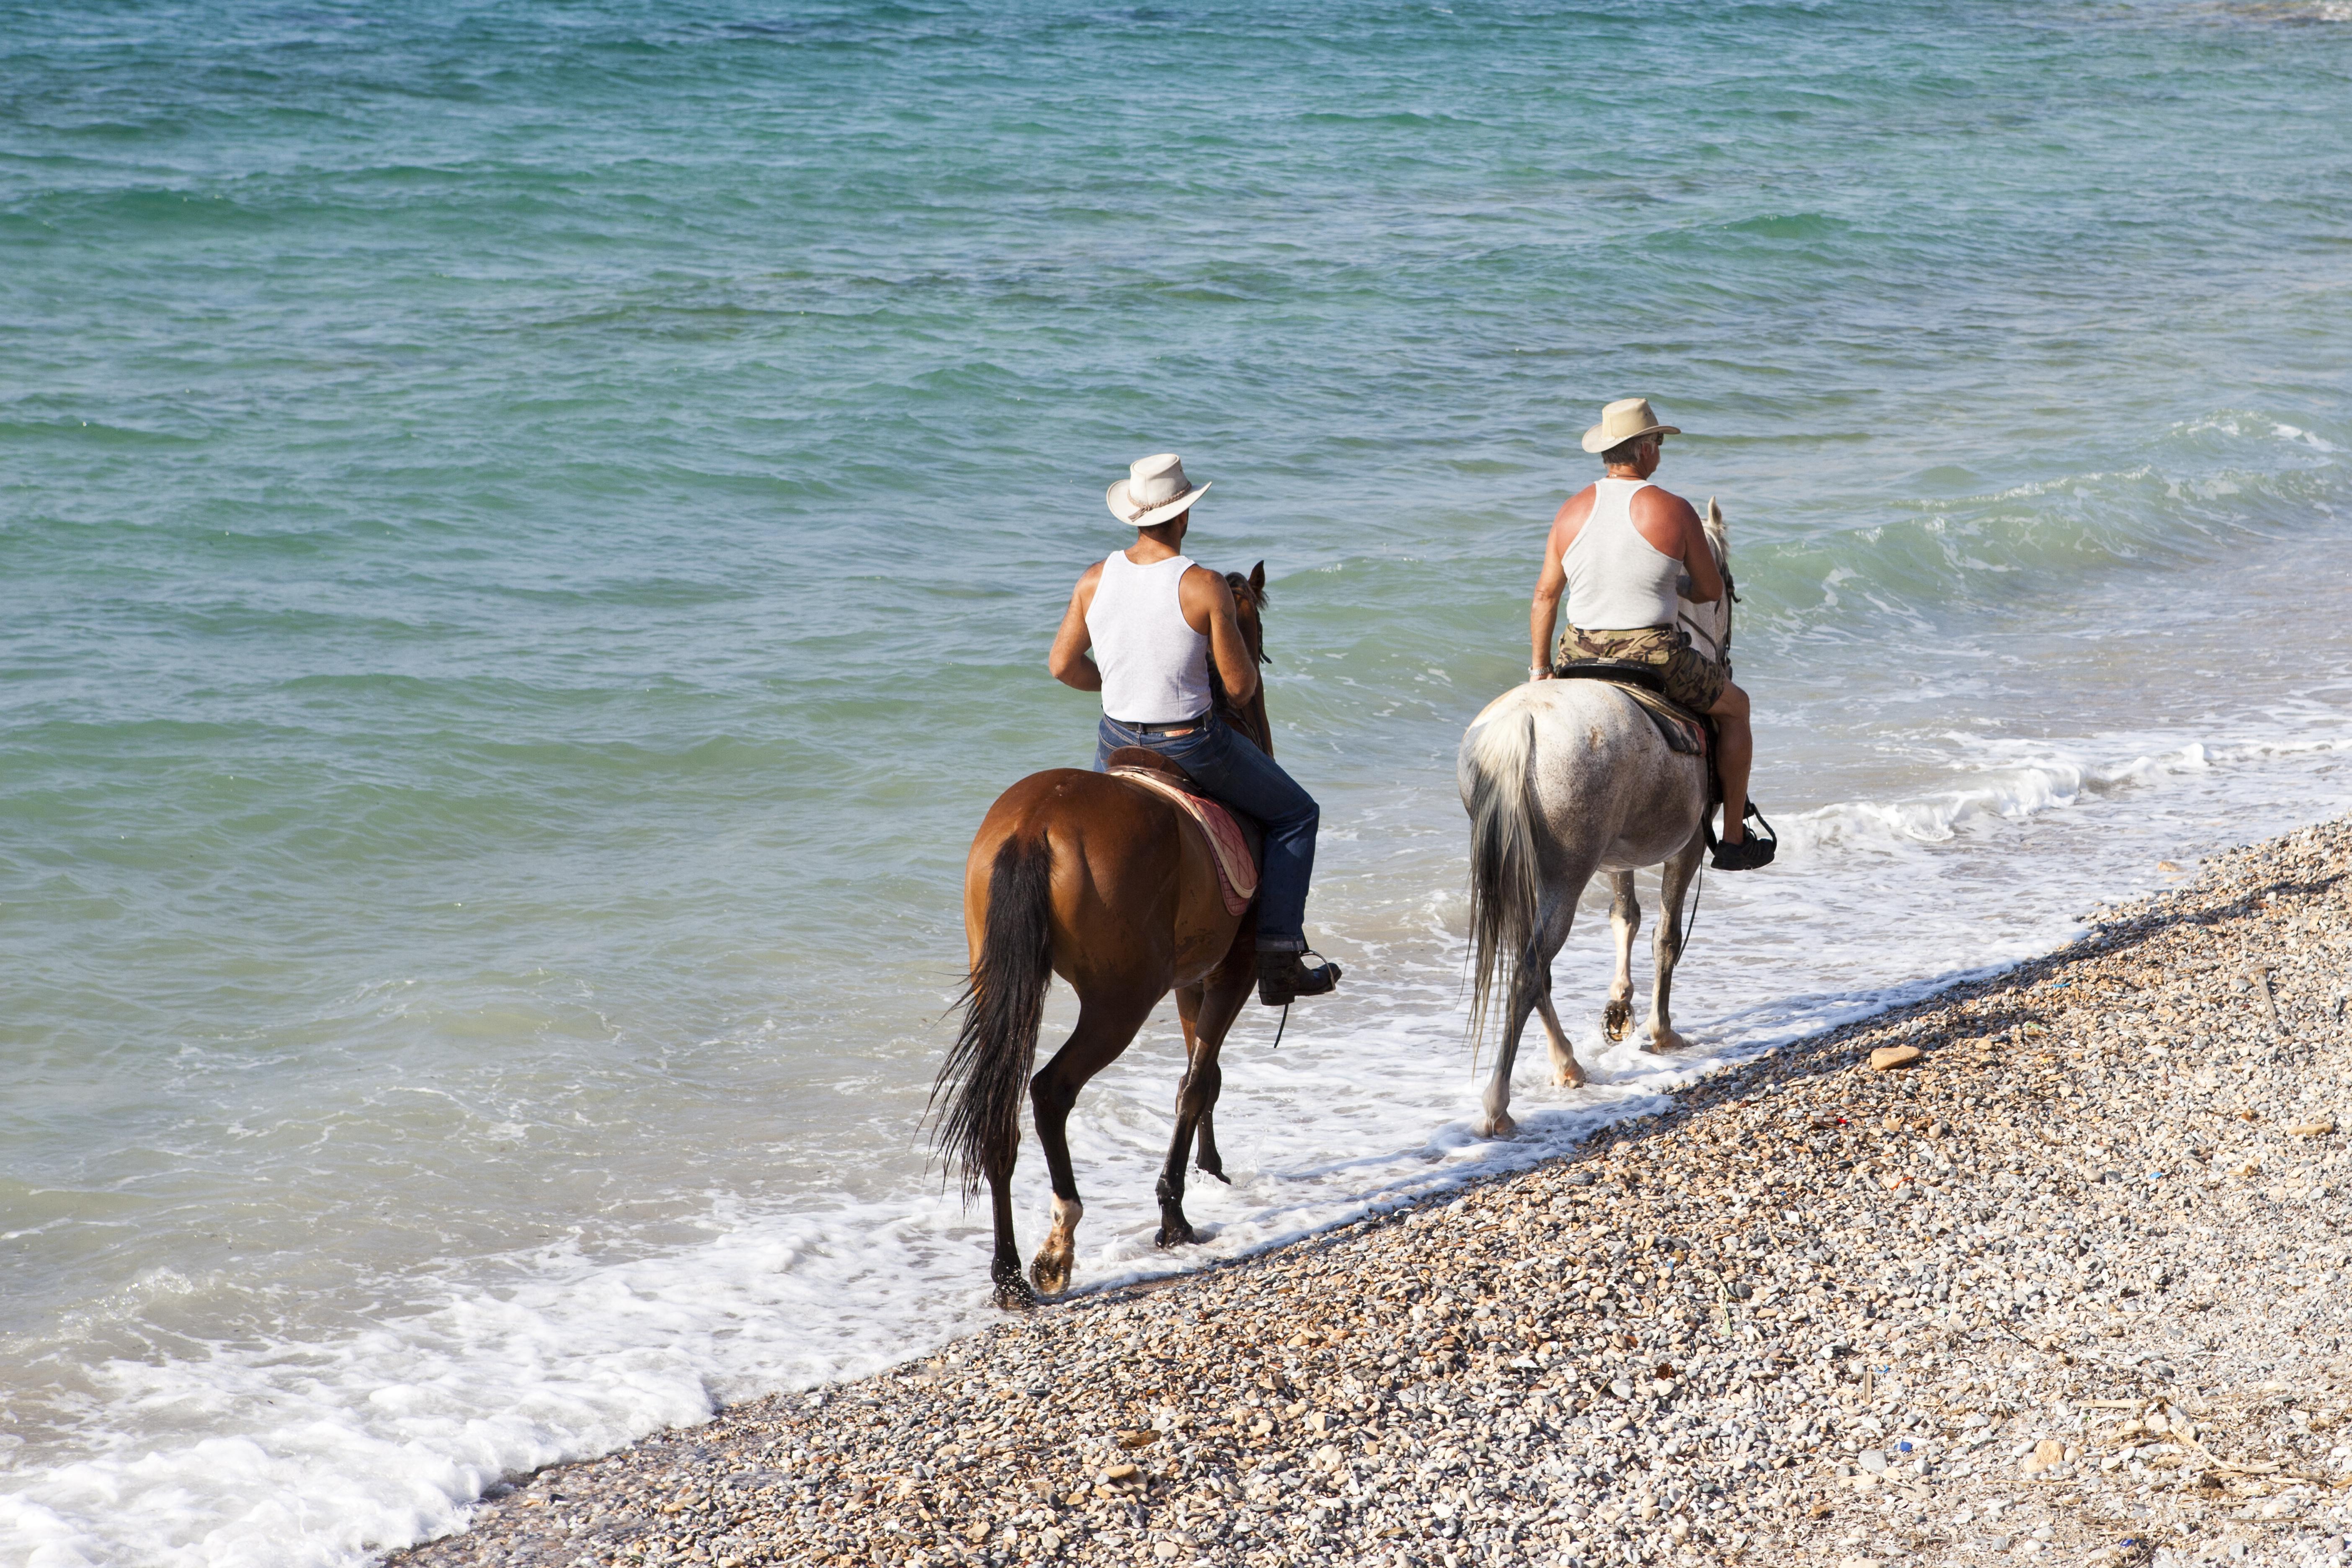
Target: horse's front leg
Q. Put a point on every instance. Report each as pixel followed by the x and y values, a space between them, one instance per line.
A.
pixel 1205 1155
pixel 1624 920
pixel 1667 945
pixel 1566 1071
pixel 1105 1026
pixel 1208 1010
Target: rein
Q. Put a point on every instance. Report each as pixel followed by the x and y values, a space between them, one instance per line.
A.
pixel 1252 720
pixel 1248 718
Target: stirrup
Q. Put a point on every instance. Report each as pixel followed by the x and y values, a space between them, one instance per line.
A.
pixel 1291 978
pixel 1751 852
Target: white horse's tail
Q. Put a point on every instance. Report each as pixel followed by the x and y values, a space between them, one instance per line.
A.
pixel 1505 884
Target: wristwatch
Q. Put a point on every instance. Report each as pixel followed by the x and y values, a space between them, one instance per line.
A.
pixel 1536 669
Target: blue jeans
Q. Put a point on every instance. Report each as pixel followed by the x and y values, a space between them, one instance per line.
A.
pixel 1231 769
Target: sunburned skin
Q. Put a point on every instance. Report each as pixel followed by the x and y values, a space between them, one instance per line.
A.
pixel 1669 523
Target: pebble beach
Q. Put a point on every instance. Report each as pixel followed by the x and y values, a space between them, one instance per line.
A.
pixel 2049 1265
pixel 531 533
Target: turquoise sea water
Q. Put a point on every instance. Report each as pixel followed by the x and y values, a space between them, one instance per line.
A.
pixel 528 538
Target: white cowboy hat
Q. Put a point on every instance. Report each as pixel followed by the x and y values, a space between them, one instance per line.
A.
pixel 1154 490
pixel 1623 420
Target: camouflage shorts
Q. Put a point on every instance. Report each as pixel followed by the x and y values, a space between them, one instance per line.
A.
pixel 1690 679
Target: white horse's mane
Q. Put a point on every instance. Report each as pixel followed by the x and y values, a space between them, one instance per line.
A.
pixel 1710 625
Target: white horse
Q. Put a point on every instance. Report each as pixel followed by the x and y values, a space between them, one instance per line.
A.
pixel 1564 779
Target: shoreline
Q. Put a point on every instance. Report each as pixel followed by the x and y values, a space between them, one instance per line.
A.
pixel 2073 1280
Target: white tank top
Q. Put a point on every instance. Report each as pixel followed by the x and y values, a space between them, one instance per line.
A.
pixel 1155 666
pixel 1617 580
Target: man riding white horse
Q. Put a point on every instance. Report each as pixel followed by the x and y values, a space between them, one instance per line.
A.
pixel 1153 620
pixel 1625 550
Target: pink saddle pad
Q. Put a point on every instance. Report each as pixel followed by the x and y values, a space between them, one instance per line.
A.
pixel 1237 867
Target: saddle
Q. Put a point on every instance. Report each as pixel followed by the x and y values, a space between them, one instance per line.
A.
pixel 1693 734
pixel 1234 840
pixel 1690 733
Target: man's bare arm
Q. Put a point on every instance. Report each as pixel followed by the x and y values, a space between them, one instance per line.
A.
pixel 1667 521
pixel 1699 559
pixel 1208 597
pixel 1543 615
pixel 1068 661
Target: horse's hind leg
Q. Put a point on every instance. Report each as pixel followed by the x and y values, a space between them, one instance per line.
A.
pixel 1208 1011
pixel 1530 987
pixel 1667 949
pixel 1012 1292
pixel 1106 1026
pixel 1624 920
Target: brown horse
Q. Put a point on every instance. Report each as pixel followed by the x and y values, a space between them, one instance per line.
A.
pixel 1114 888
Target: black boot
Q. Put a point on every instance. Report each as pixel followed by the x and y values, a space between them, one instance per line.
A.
pixel 1283 977
pixel 1745 855
pixel 1752 850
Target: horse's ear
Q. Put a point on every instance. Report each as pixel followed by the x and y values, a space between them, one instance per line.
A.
pixel 1257 578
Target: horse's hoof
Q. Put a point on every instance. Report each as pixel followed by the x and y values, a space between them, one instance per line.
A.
pixel 1617 1019
pixel 1177 1235
pixel 1498 1126
pixel 1013 1295
pixel 1573 1078
pixel 1052 1273
pixel 1666 1040
pixel 1217 1171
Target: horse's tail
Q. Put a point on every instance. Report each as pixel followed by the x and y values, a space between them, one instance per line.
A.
pixel 1506 885
pixel 986 1076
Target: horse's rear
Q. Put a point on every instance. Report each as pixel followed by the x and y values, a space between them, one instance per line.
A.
pixel 1562 780
pixel 1078 874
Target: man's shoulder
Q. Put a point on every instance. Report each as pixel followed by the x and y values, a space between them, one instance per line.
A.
pixel 1576 508
pixel 1653 497
pixel 1203 582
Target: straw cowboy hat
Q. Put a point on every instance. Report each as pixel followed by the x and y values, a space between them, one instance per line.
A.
pixel 1154 490
pixel 1623 420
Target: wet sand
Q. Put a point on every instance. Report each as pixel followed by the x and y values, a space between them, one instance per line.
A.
pixel 2069 1279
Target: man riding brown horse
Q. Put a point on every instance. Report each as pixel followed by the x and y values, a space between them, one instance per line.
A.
pixel 1624 551
pixel 1119 881
pixel 1153 622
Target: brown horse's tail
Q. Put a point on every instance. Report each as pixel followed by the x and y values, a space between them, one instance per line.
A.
pixel 986 1076
pixel 1505 884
